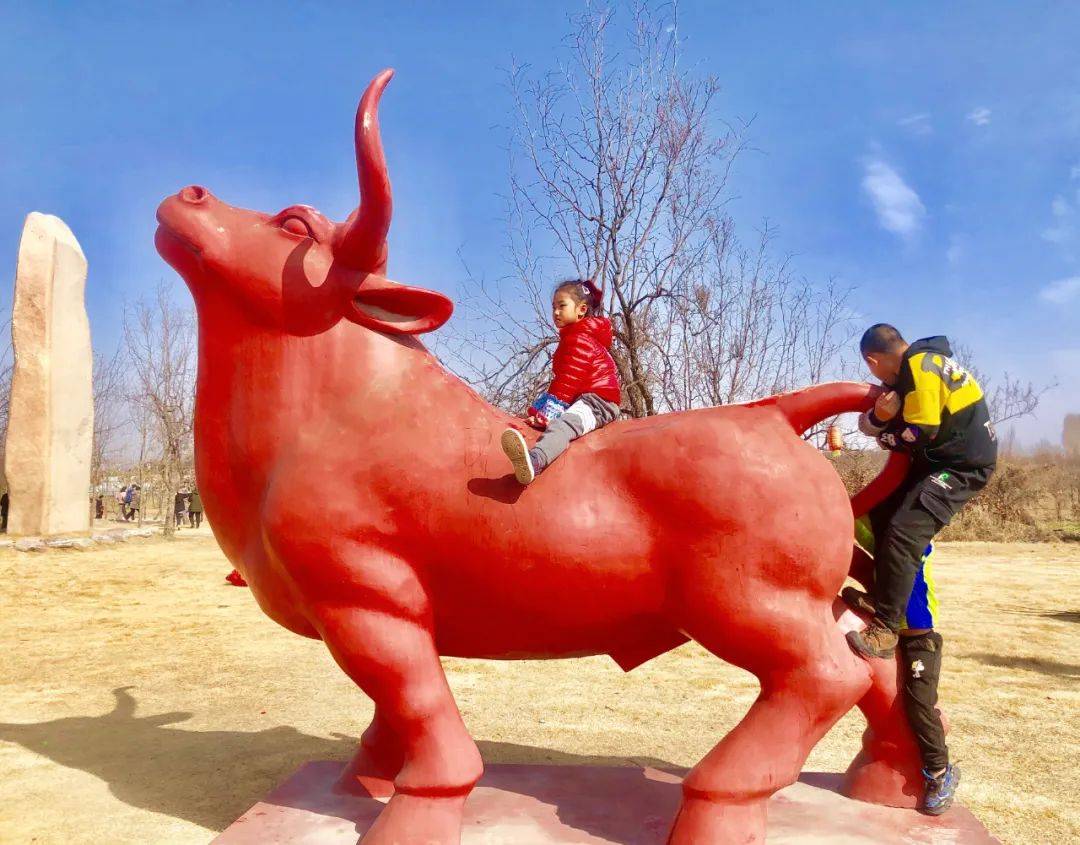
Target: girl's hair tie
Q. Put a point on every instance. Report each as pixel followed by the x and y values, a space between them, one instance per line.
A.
pixel 594 294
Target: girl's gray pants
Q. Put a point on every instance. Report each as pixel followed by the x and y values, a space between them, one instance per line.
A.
pixel 589 412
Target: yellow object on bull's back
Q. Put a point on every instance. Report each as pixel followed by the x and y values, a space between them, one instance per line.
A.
pixel 835 439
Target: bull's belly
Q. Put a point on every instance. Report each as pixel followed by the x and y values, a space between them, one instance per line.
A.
pixel 516 639
pixel 271 591
pixel 559 610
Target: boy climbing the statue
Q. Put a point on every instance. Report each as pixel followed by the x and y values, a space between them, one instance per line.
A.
pixel 935 411
pixel 920 650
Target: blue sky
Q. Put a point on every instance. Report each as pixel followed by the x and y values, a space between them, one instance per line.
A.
pixel 926 153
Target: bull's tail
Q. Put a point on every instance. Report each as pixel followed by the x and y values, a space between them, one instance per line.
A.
pixel 807 407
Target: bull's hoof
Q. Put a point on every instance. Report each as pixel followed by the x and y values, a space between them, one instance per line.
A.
pixel 700 820
pixel 369 774
pixel 891 780
pixel 418 820
pixel 365 786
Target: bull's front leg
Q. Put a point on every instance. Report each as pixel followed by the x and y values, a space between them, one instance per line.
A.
pixel 376 762
pixel 374 617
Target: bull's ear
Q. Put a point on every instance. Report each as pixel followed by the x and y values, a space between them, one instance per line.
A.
pixel 387 306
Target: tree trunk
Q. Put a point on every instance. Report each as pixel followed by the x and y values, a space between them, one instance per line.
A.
pixel 169 487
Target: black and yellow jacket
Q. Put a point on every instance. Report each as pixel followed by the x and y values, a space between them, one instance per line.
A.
pixel 943 419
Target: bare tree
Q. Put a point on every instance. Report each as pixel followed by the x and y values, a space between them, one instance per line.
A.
pixel 618 168
pixel 143 417
pixel 1008 397
pixel 748 328
pixel 1011 398
pixel 159 338
pixel 110 410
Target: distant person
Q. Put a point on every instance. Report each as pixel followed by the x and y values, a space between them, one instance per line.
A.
pixel 585 393
pixel 5 501
pixel 180 508
pixel 195 508
pixel 134 503
pixel 99 507
pixel 935 411
pixel 129 494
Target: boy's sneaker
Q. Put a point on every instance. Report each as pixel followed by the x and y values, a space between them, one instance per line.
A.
pixel 858 600
pixel 940 790
pixel 874 641
pixel 517 450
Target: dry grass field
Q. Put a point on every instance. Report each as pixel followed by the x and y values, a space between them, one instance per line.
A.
pixel 144 701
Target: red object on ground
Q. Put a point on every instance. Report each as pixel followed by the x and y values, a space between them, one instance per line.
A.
pixel 568 804
pixel 236 579
pixel 361 490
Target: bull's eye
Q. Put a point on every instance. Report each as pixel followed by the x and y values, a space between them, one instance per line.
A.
pixel 296 226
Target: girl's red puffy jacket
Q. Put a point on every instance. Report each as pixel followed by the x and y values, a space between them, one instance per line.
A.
pixel 582 363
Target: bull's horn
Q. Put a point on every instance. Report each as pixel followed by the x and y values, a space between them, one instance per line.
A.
pixel 361 240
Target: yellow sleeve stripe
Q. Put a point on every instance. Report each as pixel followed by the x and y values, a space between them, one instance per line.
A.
pixel 922 406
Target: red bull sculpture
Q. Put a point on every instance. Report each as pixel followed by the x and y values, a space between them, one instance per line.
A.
pixel 361 490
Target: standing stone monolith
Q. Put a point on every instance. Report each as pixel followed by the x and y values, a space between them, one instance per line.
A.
pixel 51 412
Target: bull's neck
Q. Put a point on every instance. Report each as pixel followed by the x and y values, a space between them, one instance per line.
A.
pixel 256 387
pixel 268 375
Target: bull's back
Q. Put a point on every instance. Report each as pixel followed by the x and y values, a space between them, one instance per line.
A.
pixel 589 551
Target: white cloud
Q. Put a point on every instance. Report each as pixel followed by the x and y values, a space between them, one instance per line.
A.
pixel 955 253
pixel 916 124
pixel 979 116
pixel 1061 291
pixel 1065 230
pixel 899 209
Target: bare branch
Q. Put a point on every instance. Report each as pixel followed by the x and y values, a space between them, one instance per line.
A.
pixel 619 169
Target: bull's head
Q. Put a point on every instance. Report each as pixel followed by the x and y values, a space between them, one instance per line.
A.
pixel 296 271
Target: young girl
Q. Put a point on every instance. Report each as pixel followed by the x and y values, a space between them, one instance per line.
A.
pixel 584 395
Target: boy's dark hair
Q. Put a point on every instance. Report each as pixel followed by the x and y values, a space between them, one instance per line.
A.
pixel 880 338
pixel 583 290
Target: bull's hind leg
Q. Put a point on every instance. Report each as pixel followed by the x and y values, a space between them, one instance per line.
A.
pixel 888 768
pixel 394 660
pixel 809 679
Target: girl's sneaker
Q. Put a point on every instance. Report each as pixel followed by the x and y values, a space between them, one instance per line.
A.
pixel 517 450
pixel 940 790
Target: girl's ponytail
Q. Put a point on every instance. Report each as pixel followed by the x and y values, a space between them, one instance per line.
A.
pixel 594 296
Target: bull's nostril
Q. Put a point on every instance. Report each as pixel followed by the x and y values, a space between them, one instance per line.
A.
pixel 194 194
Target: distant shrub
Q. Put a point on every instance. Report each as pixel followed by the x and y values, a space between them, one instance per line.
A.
pixel 1031 498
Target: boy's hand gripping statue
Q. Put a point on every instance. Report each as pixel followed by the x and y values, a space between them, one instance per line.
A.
pixel 360 489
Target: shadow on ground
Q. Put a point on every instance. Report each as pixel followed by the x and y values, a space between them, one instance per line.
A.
pixel 1056 615
pixel 1029 664
pixel 205 777
pixel 211 777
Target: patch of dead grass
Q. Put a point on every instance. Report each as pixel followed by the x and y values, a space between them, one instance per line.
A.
pixel 144 700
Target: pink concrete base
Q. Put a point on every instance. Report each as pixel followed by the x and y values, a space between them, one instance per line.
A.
pixel 573 805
